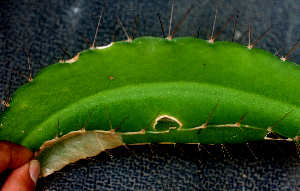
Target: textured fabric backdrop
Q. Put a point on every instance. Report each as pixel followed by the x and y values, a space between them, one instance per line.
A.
pixel 39 25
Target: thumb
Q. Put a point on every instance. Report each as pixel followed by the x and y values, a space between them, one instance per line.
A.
pixel 23 178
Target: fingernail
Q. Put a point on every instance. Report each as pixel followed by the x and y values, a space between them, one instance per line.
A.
pixel 34 170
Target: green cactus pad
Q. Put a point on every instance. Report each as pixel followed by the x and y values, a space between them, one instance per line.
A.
pixel 153 90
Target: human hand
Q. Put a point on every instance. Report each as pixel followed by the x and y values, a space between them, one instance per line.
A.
pixel 24 172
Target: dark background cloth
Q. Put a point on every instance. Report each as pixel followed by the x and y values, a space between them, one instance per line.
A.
pixel 40 25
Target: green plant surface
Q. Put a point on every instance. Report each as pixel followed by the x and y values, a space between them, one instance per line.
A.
pixel 183 79
pixel 208 110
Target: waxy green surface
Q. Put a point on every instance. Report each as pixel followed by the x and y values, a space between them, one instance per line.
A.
pixel 184 78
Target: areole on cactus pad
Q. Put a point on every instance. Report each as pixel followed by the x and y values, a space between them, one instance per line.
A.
pixel 153 90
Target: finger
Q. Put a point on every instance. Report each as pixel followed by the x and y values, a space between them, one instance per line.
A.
pixel 23 178
pixel 13 155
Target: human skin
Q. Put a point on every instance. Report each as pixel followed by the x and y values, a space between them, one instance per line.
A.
pixel 24 171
